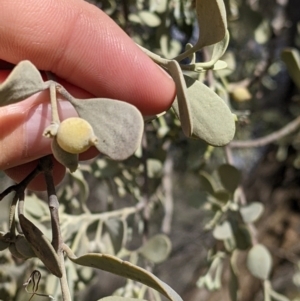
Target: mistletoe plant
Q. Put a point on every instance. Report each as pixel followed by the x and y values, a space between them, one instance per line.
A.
pixel 115 128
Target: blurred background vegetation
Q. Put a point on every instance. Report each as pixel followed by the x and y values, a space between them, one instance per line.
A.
pixel 165 172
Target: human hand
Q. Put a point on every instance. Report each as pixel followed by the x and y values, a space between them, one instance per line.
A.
pixel 90 55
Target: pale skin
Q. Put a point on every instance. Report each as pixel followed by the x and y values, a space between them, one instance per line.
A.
pixel 90 55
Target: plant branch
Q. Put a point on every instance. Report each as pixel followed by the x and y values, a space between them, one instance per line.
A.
pixel 187 53
pixel 22 185
pixel 63 280
pixel 285 131
pixel 145 190
pixel 57 240
pixel 53 203
pixel 168 199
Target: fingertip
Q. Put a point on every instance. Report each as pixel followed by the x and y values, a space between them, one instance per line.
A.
pixel 19 173
pixel 81 44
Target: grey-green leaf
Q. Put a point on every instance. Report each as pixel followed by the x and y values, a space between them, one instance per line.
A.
pixel 182 99
pixel 84 190
pixel 211 15
pixel 154 168
pixel 41 246
pixel 148 18
pixel 117 125
pixel 207 182
pixel 230 177
pixel 259 262
pixel 291 58
pixel 212 120
pixel 3 244
pixel 217 52
pixel 242 236
pixel 158 6
pixel 24 81
pixel 35 207
pixel 252 212
pixel 125 269
pixel 223 231
pixel 23 247
pixel 116 229
pixel 157 248
pixel 65 158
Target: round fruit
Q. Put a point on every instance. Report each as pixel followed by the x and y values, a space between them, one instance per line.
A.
pixel 75 135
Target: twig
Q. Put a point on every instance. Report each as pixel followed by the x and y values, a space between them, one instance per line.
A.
pixel 22 185
pixel 57 240
pixel 63 280
pixel 168 199
pixel 145 190
pixel 285 131
pixel 87 217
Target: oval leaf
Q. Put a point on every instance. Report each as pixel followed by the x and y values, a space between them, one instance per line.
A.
pixel 230 177
pixel 148 18
pixel 252 212
pixel 183 105
pixel 158 6
pixel 220 65
pixel 169 47
pixel 157 248
pixel 259 262
pixel 154 168
pixel 291 58
pixel 41 246
pixel 84 190
pixel 24 81
pixel 116 229
pixel 65 158
pixel 35 207
pixel 125 269
pixel 117 125
pixel 207 182
pixel 212 120
pixel 3 245
pixel 23 247
pixel 211 15
pixel 242 237
pixel 218 50
pixel 222 195
pixel 223 231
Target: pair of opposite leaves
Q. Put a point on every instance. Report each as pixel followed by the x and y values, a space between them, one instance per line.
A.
pixel 202 113
pixel 119 125
pixel 46 253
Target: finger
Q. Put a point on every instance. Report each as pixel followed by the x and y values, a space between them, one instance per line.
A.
pixel 18 173
pixel 81 44
pixel 38 184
